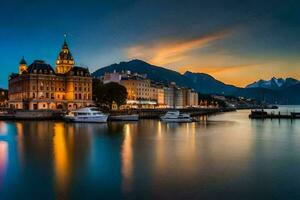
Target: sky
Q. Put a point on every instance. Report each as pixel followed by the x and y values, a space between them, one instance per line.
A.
pixel 235 41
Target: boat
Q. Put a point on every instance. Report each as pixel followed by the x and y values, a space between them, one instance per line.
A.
pixel 87 114
pixel 176 116
pixel 256 114
pixel 295 114
pixel 128 117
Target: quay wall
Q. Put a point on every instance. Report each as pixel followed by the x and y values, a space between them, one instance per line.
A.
pixel 143 113
pixel 156 113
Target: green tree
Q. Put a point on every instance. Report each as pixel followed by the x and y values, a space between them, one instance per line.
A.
pixel 106 94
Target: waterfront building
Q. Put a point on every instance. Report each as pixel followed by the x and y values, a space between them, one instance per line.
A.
pixel 142 93
pixel 190 97
pixel 3 97
pixel 111 77
pixel 179 98
pixel 145 93
pixel 169 95
pixel 39 86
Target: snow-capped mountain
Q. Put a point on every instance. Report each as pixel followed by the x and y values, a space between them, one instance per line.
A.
pixel 274 83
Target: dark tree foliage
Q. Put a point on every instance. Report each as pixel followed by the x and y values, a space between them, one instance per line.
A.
pixel 106 94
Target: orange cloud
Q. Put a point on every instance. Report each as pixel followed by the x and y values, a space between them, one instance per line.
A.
pixel 234 69
pixel 167 52
pixel 213 69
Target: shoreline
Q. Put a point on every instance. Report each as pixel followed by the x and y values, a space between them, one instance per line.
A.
pixel 143 113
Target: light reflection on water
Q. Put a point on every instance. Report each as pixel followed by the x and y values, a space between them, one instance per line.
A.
pixel 3 160
pixel 225 156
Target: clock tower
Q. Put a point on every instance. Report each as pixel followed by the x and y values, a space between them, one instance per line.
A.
pixel 64 62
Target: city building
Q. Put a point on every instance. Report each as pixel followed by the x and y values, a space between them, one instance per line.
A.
pixel 144 93
pixel 3 97
pixel 39 86
pixel 190 97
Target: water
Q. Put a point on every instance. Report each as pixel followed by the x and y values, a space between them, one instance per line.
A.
pixel 227 156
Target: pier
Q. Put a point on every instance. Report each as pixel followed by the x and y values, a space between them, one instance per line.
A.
pixel 261 114
pixel 156 113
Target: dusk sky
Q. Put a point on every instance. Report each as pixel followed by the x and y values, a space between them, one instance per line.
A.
pixel 237 42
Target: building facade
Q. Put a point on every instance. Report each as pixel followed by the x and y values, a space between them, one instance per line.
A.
pixel 39 86
pixel 141 91
pixel 145 93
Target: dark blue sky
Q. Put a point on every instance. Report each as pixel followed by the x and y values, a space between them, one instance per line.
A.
pixel 235 41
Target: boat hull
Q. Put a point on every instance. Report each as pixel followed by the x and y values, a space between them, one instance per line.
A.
pixel 176 120
pixel 83 119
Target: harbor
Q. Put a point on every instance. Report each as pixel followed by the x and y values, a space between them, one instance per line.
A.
pixel 9 114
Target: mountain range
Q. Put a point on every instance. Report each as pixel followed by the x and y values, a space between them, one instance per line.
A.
pixel 276 91
pixel 274 83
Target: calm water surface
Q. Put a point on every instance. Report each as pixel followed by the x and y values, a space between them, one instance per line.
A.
pixel 227 156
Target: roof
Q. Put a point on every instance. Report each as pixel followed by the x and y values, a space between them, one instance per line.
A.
pixel 13 75
pixel 39 66
pixel 79 71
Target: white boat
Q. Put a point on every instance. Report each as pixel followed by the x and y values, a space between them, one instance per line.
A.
pixel 133 117
pixel 87 114
pixel 176 116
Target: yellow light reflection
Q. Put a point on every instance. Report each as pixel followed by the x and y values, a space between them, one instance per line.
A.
pixel 127 159
pixel 3 128
pixel 159 130
pixel 20 142
pixel 3 159
pixel 61 161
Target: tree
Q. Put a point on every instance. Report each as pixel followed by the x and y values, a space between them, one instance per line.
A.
pixel 106 94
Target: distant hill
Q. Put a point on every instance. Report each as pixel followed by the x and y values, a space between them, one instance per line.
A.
pixel 207 84
pixel 155 73
pixel 279 91
pixel 201 82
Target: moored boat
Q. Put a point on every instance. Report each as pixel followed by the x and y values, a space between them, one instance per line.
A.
pixel 258 114
pixel 87 114
pixel 176 116
pixel 295 114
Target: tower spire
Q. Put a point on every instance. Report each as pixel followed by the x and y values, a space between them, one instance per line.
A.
pixel 22 65
pixel 65 38
pixel 64 62
pixel 23 61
